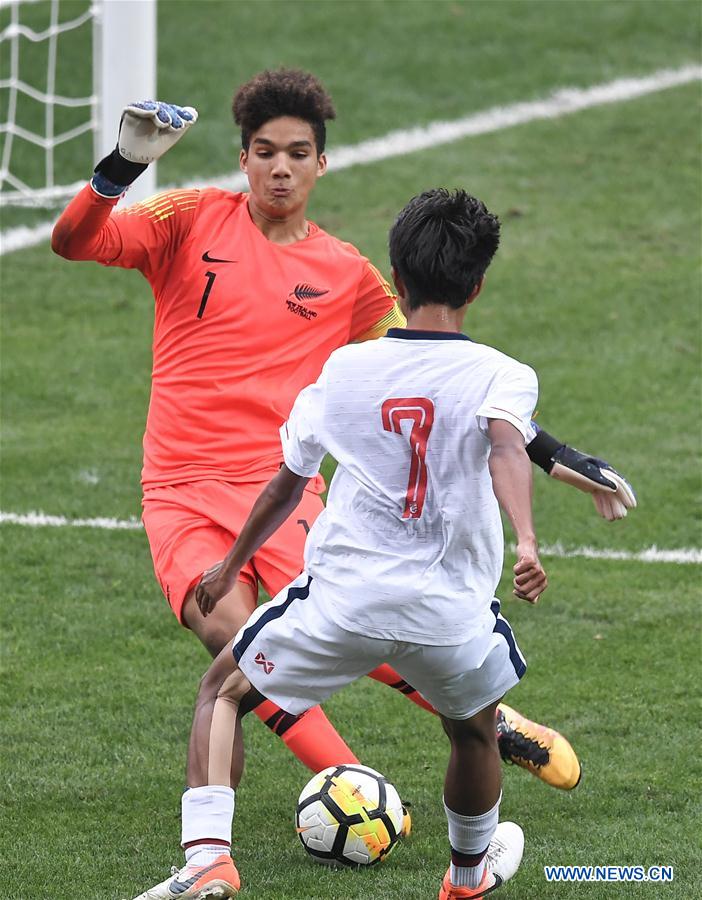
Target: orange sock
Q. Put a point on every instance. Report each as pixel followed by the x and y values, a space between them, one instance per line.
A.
pixel 387 675
pixel 310 736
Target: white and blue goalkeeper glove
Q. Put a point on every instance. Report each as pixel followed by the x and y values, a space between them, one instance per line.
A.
pixel 611 492
pixel 147 130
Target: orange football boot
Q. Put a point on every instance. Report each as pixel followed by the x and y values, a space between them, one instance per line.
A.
pixel 218 879
pixel 538 749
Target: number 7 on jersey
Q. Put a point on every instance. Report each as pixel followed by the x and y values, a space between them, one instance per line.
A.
pixel 420 412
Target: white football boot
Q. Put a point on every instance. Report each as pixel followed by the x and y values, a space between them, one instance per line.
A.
pixel 218 879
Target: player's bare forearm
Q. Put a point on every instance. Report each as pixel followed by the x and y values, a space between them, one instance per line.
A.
pixel 510 470
pixel 273 506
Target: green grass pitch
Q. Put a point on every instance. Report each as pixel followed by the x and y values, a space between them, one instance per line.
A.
pixel 597 285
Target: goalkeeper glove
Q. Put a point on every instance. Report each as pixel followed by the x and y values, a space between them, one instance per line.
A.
pixel 147 130
pixel 611 493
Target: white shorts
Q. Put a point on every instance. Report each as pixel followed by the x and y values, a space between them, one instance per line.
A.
pixel 296 655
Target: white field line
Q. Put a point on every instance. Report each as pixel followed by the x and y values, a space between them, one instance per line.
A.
pixel 651 554
pixel 42 520
pixel 24 236
pixel 561 102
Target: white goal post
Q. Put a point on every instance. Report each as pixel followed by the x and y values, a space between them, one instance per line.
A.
pixel 123 70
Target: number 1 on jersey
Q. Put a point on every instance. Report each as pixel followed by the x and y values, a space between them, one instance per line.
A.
pixel 206 293
pixel 419 411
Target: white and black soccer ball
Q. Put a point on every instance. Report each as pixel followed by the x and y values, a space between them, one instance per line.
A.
pixel 349 815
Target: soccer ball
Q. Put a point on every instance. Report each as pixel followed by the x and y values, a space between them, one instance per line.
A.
pixel 349 815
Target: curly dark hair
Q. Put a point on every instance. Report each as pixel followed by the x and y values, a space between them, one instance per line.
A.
pixel 282 92
pixel 441 245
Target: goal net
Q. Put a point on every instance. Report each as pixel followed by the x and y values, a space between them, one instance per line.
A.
pixel 67 67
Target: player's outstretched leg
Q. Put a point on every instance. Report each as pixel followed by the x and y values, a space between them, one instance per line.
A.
pixel 215 764
pixel 385 674
pixel 540 750
pixel 311 736
pixel 484 854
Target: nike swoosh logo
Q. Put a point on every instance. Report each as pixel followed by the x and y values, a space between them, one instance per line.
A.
pixel 210 259
pixel 177 887
pixel 498 883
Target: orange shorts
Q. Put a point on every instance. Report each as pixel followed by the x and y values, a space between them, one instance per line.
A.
pixel 192 526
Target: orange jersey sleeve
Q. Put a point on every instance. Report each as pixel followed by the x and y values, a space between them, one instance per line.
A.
pixel 376 308
pixel 143 236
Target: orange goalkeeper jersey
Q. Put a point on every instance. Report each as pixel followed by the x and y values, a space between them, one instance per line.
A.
pixel 241 324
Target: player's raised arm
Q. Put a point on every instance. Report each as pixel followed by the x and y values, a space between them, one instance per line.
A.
pixel 510 471
pixel 611 492
pixel 147 130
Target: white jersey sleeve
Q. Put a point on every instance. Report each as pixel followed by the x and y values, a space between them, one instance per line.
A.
pixel 300 435
pixel 512 396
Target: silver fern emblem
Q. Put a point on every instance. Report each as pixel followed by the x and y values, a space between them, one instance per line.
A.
pixel 307 292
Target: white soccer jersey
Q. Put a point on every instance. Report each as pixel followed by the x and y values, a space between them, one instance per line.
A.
pixel 410 546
